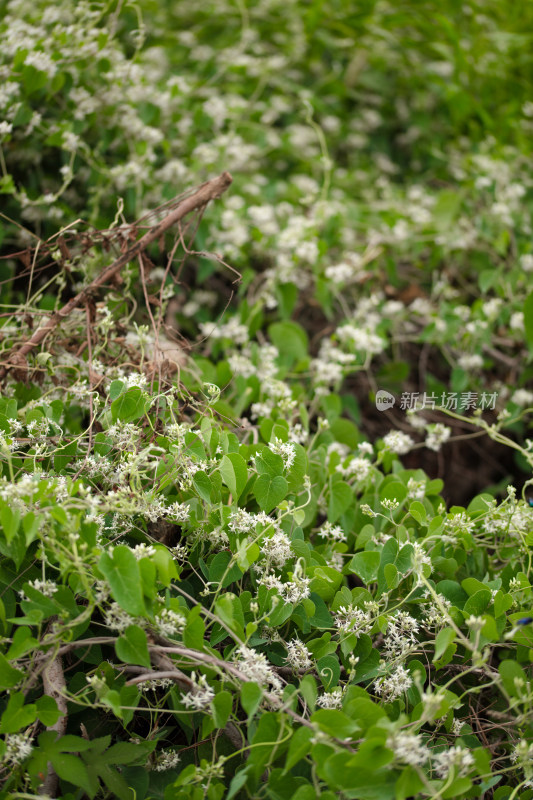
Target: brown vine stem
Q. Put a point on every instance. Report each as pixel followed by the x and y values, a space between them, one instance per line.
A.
pixel 198 200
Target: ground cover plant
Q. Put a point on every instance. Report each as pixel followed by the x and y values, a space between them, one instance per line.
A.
pixel 265 428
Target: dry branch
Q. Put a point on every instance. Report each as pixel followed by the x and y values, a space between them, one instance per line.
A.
pixel 199 199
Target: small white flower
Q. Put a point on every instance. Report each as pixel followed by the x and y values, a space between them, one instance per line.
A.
pixel 117 619
pixel 286 450
pixel 18 748
pixel 143 551
pixel 398 442
pixel 170 623
pixel 200 696
pixel 457 757
pixel 475 623
pixel 526 262
pixel 331 699
pixel 408 748
pixel 394 685
pixel 437 435
pixel 48 588
pixel 332 533
pixel 298 656
pixel 470 361
pixel 166 759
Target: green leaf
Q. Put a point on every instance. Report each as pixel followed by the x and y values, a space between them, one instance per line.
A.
pixel 335 723
pixel 528 320
pixel 47 710
pixel 270 491
pixel 237 782
pixel 340 499
pixel 477 603
pixel 10 520
pixel 193 635
pixel 295 474
pixel 30 525
pixel 251 696
pixel 513 678
pixel 72 769
pixel 290 339
pixel 115 783
pixel 21 644
pixel 132 647
pixel 365 565
pixel 268 463
pixel 299 747
pixel 202 484
pixel 127 753
pixel 264 742
pixel 234 473
pixel 390 572
pixel 9 676
pixel 218 567
pixel 16 715
pixel 329 671
pixel 115 389
pixel 443 639
pixel 129 406
pixel 121 570
pixel 308 690
pixel 418 512
pixel 221 705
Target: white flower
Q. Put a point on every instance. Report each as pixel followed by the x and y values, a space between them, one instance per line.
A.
pixel 470 361
pixel 395 685
pixel 42 62
pixel 333 533
pixel 522 397
pixel 298 656
pixel 296 590
pixel 331 699
pixel 475 623
pixel 166 759
pixel 143 551
pixel 18 747
pixel 117 619
pixel 398 442
pixel 526 262
pixel 358 468
pixel 277 549
pixel 416 490
pixel 457 757
pixel 179 511
pixel 408 748
pixel 48 588
pixel 255 667
pixel 400 637
pixel 361 339
pixel 200 696
pixel 437 435
pixel 340 273
pixel 351 619
pixel 286 450
pixel 170 623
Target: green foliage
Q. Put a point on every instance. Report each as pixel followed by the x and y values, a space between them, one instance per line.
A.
pixel 217 579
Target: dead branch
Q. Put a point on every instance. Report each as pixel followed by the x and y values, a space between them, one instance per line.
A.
pixel 198 200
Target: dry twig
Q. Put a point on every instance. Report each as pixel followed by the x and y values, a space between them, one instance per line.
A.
pixel 198 200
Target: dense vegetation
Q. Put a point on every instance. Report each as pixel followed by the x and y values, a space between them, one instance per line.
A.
pixel 229 567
